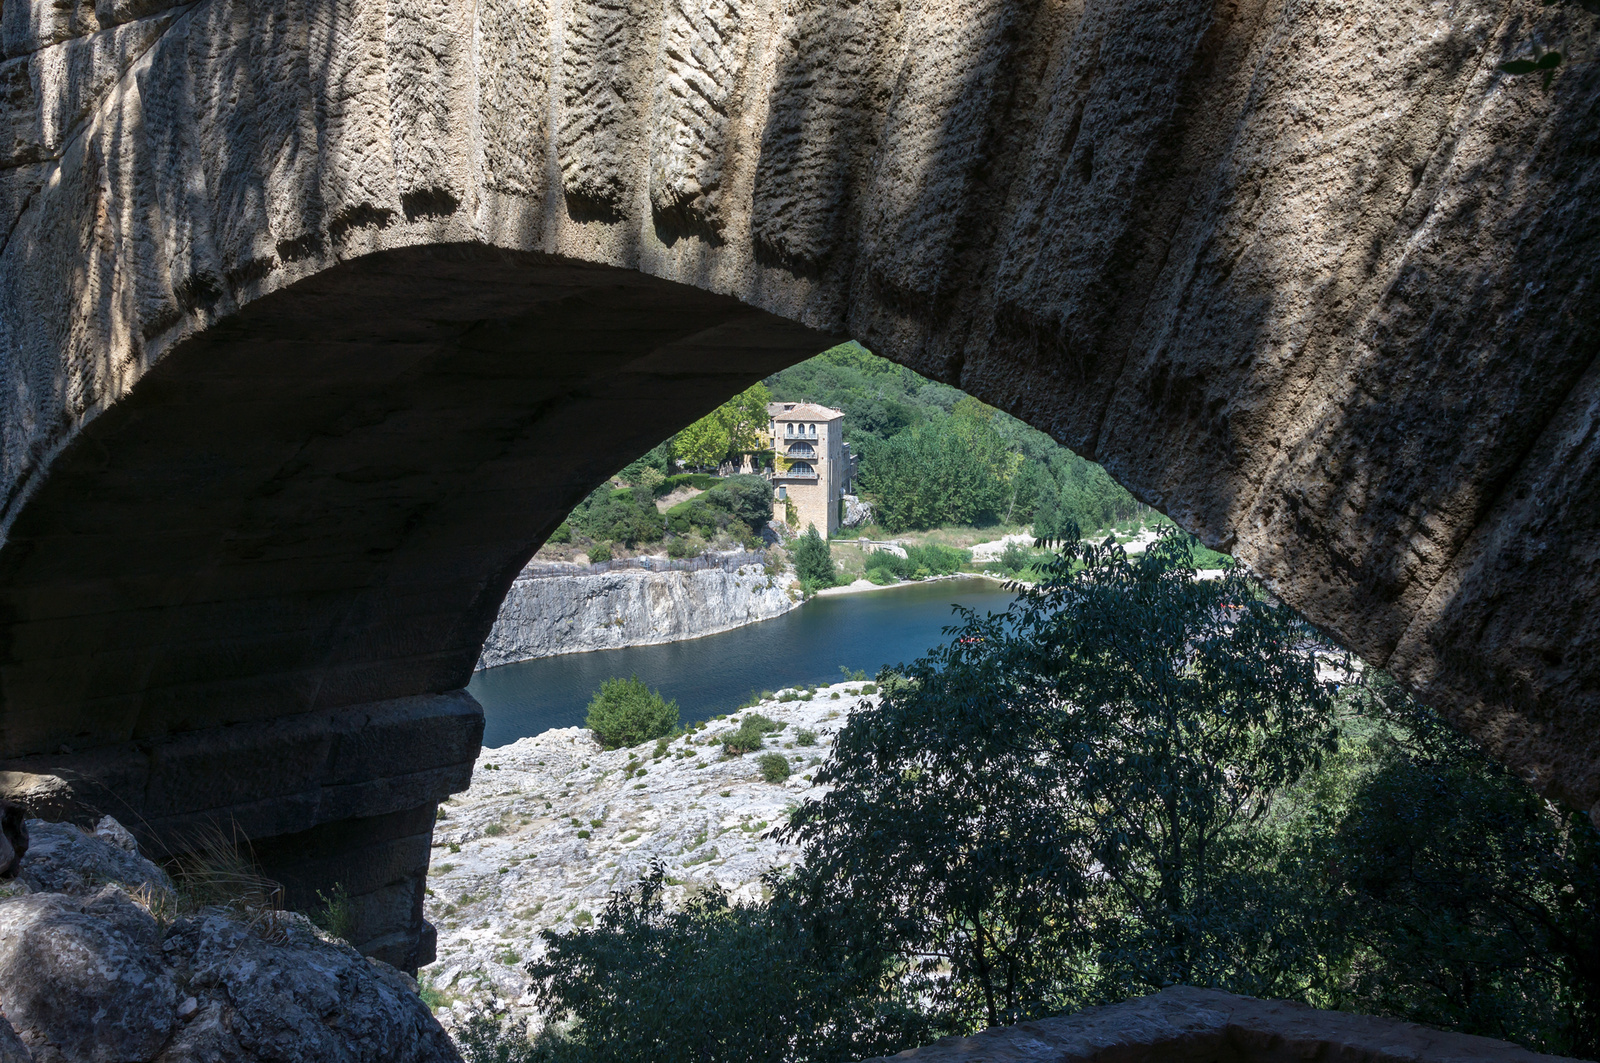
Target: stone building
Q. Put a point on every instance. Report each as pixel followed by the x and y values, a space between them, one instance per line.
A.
pixel 812 467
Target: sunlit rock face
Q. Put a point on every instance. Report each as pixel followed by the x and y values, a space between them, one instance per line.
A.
pixel 556 608
pixel 317 315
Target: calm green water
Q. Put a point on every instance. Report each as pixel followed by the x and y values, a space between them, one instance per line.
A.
pixel 712 675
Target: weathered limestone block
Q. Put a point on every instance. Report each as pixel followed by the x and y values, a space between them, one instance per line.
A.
pixel 512 63
pixel 836 70
pixel 602 91
pixel 702 55
pixel 46 94
pixel 82 978
pixel 1183 1023
pixel 88 974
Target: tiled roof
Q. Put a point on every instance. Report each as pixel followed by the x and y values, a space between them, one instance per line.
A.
pixel 801 411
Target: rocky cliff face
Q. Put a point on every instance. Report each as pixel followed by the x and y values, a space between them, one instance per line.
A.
pixel 101 961
pixel 546 615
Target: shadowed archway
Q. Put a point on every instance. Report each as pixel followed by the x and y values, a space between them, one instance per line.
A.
pixel 317 315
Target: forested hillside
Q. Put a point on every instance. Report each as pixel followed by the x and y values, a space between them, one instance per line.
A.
pixel 931 454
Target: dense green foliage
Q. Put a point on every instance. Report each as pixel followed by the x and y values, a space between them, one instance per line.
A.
pixel 920 562
pixel 1435 886
pixel 626 515
pixel 714 982
pixel 1130 779
pixel 813 561
pixel 625 712
pixel 735 427
pixel 1051 803
pixel 931 455
pixel 737 506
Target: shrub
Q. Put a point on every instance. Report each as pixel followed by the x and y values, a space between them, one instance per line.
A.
pixel 721 983
pixel 774 767
pixel 599 552
pixel 940 560
pixel 752 731
pixel 805 737
pixel 813 560
pixel 683 546
pixel 562 534
pixel 625 712
pixel 337 914
pixel 627 516
pixel 734 507
pixel 698 480
pixel 884 566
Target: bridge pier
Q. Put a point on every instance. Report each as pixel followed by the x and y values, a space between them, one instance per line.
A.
pixel 329 799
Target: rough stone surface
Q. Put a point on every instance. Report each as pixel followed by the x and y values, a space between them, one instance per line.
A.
pixel 90 974
pixel 1185 1024
pixel 12 1048
pixel 338 798
pixel 62 859
pixel 509 860
pixel 547 614
pixel 316 318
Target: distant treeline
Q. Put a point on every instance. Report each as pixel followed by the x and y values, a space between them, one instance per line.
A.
pixel 931 454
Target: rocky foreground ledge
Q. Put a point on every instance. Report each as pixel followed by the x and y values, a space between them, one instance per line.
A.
pixel 102 961
pixel 552 824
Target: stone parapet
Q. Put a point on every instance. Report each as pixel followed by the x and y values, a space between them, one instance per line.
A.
pixel 341 799
pixel 1188 1025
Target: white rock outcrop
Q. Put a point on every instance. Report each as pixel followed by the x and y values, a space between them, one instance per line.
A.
pixel 545 615
pixel 101 960
pixel 553 824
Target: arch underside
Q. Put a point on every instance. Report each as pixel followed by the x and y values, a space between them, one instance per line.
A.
pixel 318 315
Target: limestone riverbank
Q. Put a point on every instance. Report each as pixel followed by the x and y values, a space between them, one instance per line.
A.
pixel 553 823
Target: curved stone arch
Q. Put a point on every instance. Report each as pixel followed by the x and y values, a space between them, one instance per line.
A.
pixel 1335 313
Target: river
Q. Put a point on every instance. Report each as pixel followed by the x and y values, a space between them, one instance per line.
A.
pixel 712 675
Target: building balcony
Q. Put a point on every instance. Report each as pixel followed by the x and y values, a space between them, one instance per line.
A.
pixel 810 476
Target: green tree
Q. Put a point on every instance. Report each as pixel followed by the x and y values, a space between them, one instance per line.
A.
pixel 1439 888
pixel 720 983
pixel 941 472
pixel 735 427
pixel 813 560
pixel 625 712
pixel 1057 801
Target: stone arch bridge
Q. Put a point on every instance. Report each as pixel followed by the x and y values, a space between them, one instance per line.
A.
pixel 317 315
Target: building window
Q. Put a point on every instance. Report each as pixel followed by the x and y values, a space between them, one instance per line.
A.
pixel 802 468
pixel 783 492
pixel 811 429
